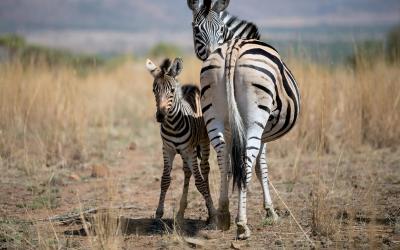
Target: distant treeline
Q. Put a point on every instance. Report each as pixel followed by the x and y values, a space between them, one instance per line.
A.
pixel 362 53
pixel 367 52
pixel 16 47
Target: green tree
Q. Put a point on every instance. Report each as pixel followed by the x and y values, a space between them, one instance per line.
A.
pixel 393 45
pixel 367 53
pixel 13 43
pixel 162 50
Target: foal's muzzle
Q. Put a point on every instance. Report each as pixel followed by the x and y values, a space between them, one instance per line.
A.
pixel 160 116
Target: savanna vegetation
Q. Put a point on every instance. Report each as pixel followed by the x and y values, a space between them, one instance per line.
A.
pixel 71 141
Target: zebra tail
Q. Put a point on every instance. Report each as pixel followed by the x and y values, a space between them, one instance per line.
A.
pixel 198 151
pixel 238 133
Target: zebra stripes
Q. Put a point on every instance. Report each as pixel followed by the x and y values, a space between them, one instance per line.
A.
pixel 239 28
pixel 249 97
pixel 183 132
pixel 221 27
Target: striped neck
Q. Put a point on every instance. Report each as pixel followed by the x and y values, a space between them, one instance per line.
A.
pixel 176 109
pixel 239 28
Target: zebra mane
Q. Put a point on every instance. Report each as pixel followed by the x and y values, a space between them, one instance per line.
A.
pixel 190 93
pixel 238 28
pixel 207 5
pixel 233 23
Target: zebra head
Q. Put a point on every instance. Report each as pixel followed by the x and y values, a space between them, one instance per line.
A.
pixel 165 85
pixel 209 30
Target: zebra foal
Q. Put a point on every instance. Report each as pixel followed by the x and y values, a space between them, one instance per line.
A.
pixel 183 132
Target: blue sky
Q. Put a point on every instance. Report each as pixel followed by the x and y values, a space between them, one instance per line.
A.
pixel 134 24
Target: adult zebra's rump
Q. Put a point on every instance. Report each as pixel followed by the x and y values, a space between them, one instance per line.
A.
pixel 247 80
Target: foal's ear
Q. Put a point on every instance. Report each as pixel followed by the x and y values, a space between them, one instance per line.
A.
pixel 176 68
pixel 152 68
pixel 221 5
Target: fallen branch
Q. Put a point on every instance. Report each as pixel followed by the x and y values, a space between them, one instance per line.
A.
pixel 70 218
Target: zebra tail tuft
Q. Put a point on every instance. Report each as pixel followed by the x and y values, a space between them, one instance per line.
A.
pixel 238 133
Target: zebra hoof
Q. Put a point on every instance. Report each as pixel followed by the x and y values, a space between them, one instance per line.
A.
pixel 224 221
pixel 159 214
pixel 243 231
pixel 179 218
pixel 212 222
pixel 271 214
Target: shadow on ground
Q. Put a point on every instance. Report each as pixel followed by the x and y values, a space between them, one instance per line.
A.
pixel 146 227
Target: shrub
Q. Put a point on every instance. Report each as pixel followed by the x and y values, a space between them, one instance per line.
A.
pixel 393 45
pixel 162 50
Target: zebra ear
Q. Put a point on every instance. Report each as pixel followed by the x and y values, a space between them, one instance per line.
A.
pixel 165 65
pixel 193 4
pixel 176 67
pixel 221 5
pixel 152 68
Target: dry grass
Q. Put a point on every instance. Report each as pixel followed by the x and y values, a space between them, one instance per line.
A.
pixel 346 107
pixel 54 117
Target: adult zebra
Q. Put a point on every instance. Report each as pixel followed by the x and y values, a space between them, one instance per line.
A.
pixel 249 97
pixel 182 131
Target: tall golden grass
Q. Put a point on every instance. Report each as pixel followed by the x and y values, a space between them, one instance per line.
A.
pixel 347 107
pixel 55 116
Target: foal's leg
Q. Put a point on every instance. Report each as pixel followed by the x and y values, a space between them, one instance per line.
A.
pixel 165 180
pixel 183 203
pixel 191 159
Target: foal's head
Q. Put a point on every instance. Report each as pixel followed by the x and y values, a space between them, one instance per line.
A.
pixel 165 84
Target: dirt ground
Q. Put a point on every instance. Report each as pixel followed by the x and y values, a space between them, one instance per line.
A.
pixel 346 200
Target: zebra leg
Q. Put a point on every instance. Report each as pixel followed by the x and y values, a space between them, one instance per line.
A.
pixel 183 203
pixel 224 216
pixel 253 146
pixel 215 131
pixel 262 174
pixel 200 183
pixel 165 180
pixel 205 170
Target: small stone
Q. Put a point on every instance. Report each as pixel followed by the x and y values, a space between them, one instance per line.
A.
pixel 56 181
pixel 100 171
pixel 235 245
pixel 195 243
pixel 386 241
pixel 278 242
pixel 157 179
pixel 74 177
pixel 209 234
pixel 132 146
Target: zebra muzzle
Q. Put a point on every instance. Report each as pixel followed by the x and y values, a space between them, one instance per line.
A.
pixel 160 116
